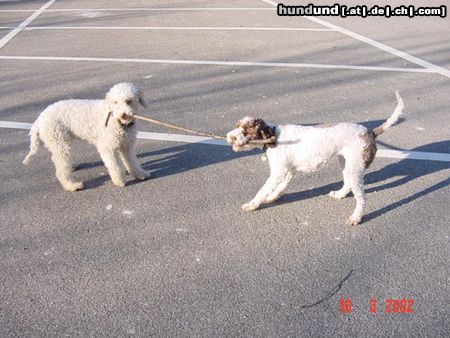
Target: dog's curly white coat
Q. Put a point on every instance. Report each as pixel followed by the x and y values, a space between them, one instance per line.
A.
pixel 108 124
pixel 305 148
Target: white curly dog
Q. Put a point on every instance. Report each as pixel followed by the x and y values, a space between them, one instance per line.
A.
pixel 108 124
pixel 305 148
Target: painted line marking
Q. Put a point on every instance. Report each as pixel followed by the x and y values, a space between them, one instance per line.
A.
pixel 8 37
pixel 383 153
pixel 215 63
pixel 146 9
pixel 172 28
pixel 179 138
pixel 408 57
pixel 15 125
pixel 413 155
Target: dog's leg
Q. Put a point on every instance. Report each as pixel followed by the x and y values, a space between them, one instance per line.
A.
pixel 345 190
pixel 280 189
pixel 277 178
pixel 112 162
pixel 130 160
pixel 357 186
pixel 61 159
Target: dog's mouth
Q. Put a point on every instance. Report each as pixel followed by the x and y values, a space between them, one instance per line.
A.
pixel 247 143
pixel 237 139
pixel 247 137
pixel 237 145
pixel 241 147
pixel 126 120
pixel 241 144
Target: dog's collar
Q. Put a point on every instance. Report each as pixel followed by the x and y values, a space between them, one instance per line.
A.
pixel 107 118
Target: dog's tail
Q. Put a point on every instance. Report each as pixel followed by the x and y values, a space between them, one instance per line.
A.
pixel 394 117
pixel 35 142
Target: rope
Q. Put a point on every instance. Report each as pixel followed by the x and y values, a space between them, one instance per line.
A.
pixel 173 126
pixel 200 133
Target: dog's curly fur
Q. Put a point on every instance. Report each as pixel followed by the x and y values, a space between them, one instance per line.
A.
pixel 108 124
pixel 305 148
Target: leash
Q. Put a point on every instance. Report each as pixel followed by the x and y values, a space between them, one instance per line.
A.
pixel 200 133
pixel 173 126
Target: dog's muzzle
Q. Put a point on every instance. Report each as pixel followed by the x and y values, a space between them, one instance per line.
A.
pixel 236 138
pixel 126 120
pixel 128 124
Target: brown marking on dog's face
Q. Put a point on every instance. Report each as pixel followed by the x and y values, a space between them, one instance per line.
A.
pixel 256 129
pixel 370 147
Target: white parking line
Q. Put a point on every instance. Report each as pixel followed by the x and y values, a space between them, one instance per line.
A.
pixel 379 45
pixel 146 9
pixel 179 138
pixel 8 37
pixel 383 153
pixel 173 28
pixel 418 61
pixel 215 63
pixel 15 125
pixel 413 155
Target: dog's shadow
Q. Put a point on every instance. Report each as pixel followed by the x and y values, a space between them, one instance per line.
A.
pixel 172 160
pixel 180 158
pixel 187 157
pixel 401 172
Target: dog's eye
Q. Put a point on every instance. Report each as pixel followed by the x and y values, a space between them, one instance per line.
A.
pixel 114 102
pixel 128 101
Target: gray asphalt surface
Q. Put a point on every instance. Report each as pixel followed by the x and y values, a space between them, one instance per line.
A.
pixel 175 255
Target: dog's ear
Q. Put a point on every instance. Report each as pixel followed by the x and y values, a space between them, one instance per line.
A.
pixel 256 128
pixel 142 100
pixel 250 127
pixel 263 131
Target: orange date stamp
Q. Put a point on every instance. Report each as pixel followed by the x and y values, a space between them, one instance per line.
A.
pixel 390 306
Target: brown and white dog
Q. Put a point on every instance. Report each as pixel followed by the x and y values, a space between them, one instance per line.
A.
pixel 305 148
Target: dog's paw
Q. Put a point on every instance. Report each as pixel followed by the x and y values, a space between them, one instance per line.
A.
pixel 26 161
pixel 272 198
pixel 249 206
pixel 142 175
pixel 119 183
pixel 353 221
pixel 336 195
pixel 73 186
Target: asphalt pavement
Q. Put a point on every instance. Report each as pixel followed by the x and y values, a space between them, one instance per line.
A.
pixel 175 255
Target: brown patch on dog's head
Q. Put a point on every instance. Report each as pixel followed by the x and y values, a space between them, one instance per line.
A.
pixel 256 129
pixel 370 147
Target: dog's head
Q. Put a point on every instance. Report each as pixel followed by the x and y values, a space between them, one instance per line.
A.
pixel 123 101
pixel 250 129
